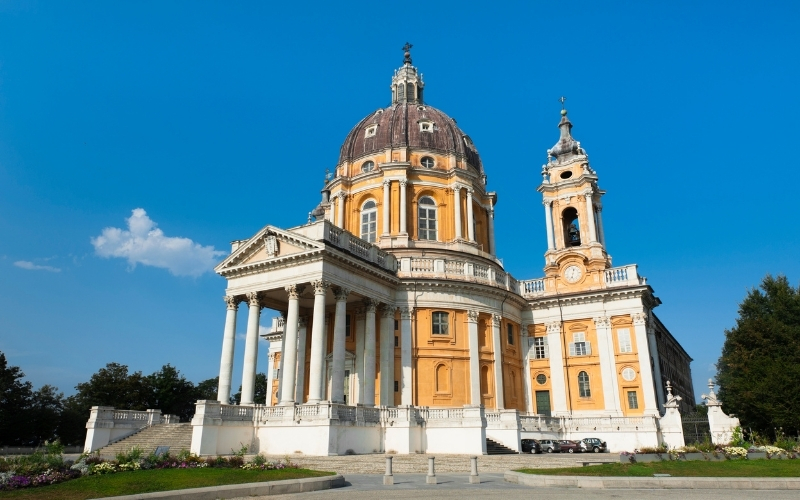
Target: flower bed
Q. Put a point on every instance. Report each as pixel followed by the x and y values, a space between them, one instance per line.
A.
pixel 48 467
pixel 690 453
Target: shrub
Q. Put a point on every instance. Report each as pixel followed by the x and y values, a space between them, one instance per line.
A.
pixel 658 449
pixel 235 461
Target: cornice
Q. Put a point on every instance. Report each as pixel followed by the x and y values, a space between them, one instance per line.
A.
pixel 644 292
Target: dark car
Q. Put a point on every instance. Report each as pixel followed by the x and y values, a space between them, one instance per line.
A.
pixel 595 444
pixel 550 445
pixel 531 446
pixel 573 446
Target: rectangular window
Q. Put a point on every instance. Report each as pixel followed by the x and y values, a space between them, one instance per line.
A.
pixel 579 346
pixel 276 373
pixel 624 337
pixel 347 326
pixel 396 386
pixel 510 329
pixel 440 326
pixel 396 341
pixel 396 325
pixel 633 400
pixel 540 348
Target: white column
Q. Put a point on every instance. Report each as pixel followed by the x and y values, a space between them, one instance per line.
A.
pixel 406 392
pixel 337 368
pixel 590 217
pixel 648 393
pixel 302 334
pixel 602 235
pixel 317 342
pixel 283 358
pixel 270 370
pixel 548 215
pixel 651 342
pixel 470 218
pixel 340 210
pixel 386 203
pixel 368 399
pixel 498 362
pixel 403 207
pixel 387 355
pixel 251 349
pixel 457 208
pixel 490 218
pixel 608 372
pixel 358 396
pixel 289 355
pixel 526 369
pixel 228 344
pixel 474 365
pixel 558 386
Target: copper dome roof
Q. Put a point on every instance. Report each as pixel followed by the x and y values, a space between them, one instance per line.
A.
pixel 398 126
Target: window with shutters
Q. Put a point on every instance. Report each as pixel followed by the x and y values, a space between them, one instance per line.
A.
pixel 584 389
pixel 579 346
pixel 624 337
pixel 369 221
pixel 427 219
pixel 540 348
pixel 440 323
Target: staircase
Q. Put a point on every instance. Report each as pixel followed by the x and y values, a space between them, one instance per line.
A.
pixel 495 448
pixel 177 436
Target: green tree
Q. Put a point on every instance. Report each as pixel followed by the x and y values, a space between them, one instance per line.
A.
pixel 207 389
pixel 171 393
pixel 759 370
pixel 47 404
pixel 15 402
pixel 259 392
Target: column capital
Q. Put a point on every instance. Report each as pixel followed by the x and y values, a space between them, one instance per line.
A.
pixel 406 312
pixel 387 310
pixel 232 302
pixel 294 291
pixel 403 182
pixel 386 183
pixel 253 298
pixel 341 293
pixel 496 320
pixel 547 202
pixel 602 321
pixel 469 192
pixel 371 305
pixel 639 318
pixel 359 313
pixel 472 316
pixel 320 286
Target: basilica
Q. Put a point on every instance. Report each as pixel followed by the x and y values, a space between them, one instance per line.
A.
pixel 400 329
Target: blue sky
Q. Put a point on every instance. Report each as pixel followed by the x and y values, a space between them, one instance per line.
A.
pixel 216 119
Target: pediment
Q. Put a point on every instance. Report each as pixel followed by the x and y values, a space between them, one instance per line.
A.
pixel 270 243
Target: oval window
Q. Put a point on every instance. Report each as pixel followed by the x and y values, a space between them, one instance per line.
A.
pixel 541 379
pixel 628 374
pixel 427 162
pixel 368 166
pixel 566 174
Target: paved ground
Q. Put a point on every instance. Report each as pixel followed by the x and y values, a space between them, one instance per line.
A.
pixel 410 464
pixel 456 486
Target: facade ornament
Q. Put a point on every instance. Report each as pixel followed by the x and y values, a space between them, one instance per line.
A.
pixel 320 286
pixel 271 245
pixel 496 320
pixel 371 305
pixel 406 312
pixel 711 397
pixel 387 310
pixel 387 183
pixel 547 202
pixel 294 291
pixel 341 293
pixel 253 299
pixel 232 302
pixel 672 401
pixel 403 183
pixel 639 318
pixel 553 327
pixel 472 316
pixel 602 322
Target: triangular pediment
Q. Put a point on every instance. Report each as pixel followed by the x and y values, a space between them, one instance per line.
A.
pixel 270 243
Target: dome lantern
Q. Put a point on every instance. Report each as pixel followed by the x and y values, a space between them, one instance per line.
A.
pixel 407 82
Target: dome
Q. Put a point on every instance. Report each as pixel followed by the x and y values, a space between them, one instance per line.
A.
pixel 409 125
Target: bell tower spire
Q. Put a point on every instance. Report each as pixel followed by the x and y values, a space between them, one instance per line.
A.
pixel 407 82
pixel 575 240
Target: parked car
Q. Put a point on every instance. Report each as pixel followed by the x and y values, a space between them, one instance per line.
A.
pixel 550 445
pixel 595 444
pixel 531 446
pixel 573 446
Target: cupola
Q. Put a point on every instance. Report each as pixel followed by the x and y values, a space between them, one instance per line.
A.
pixel 407 82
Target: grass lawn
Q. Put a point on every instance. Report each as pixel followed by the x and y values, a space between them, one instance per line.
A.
pixel 728 468
pixel 145 481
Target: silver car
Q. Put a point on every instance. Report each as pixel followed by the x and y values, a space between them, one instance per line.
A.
pixel 550 445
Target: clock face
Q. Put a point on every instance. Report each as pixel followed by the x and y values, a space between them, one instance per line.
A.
pixel 573 273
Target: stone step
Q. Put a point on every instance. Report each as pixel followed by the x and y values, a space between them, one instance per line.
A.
pixel 177 436
pixel 495 448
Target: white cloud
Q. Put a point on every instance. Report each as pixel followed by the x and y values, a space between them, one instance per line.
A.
pixel 26 264
pixel 144 243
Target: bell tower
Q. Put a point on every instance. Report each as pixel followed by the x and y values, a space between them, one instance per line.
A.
pixel 576 253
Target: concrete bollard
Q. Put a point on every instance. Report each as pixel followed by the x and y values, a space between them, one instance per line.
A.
pixel 388 478
pixel 431 479
pixel 473 475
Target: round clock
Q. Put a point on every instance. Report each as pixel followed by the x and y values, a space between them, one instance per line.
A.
pixel 573 273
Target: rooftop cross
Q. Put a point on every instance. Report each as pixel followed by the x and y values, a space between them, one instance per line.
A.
pixel 407 53
pixel 562 100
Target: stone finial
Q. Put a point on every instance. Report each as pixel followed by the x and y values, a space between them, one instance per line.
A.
pixel 566 145
pixel 711 397
pixel 672 401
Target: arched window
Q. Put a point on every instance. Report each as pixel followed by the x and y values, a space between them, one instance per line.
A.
pixel 442 379
pixel 583 385
pixel 440 323
pixel 427 218
pixel 572 229
pixel 401 92
pixel 410 91
pixel 369 218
